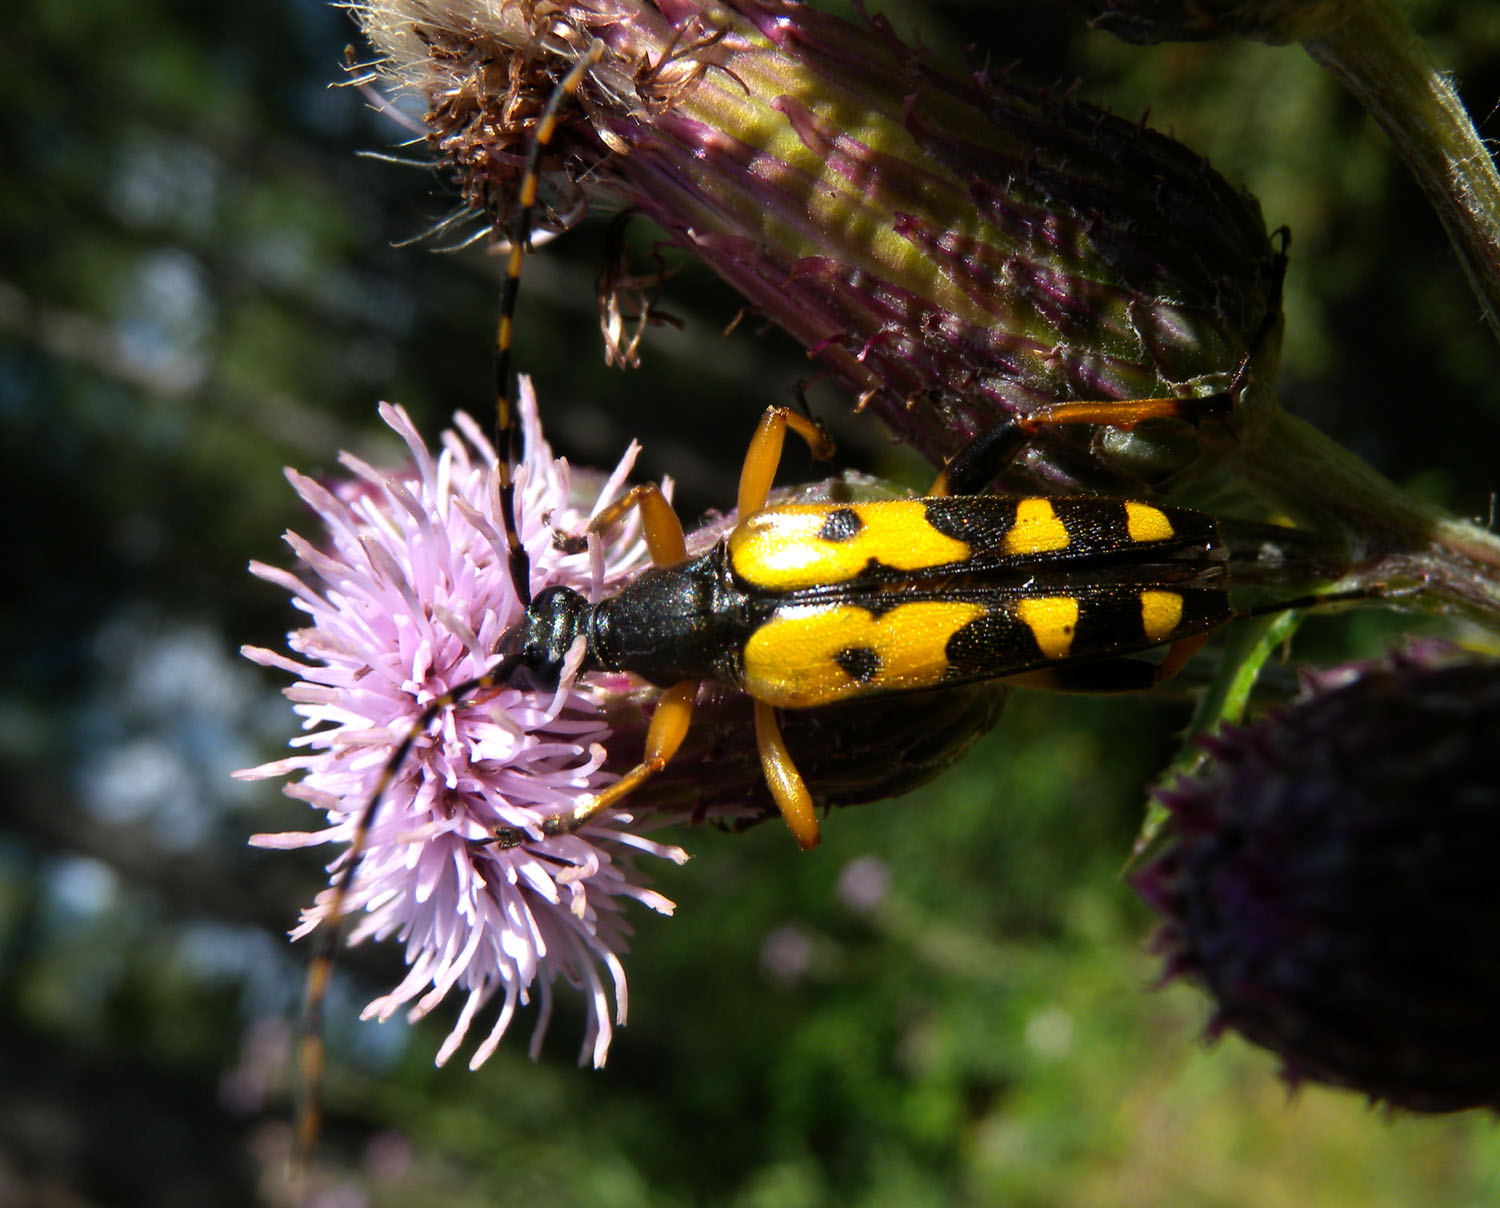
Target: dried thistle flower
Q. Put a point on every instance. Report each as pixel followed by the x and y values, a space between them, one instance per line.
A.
pixel 1332 881
pixel 956 251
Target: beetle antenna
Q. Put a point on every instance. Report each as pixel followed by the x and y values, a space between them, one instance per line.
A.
pixel 310 1047
pixel 507 432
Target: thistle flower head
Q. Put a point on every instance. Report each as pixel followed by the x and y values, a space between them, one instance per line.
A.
pixel 956 252
pixel 1332 881
pixel 408 595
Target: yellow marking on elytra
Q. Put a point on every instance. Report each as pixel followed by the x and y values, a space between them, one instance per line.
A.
pixel 1053 620
pixel 781 550
pixel 1161 613
pixel 1147 523
pixel 789 661
pixel 1037 529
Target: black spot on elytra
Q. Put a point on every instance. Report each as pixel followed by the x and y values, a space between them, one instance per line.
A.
pixel 843 524
pixel 860 663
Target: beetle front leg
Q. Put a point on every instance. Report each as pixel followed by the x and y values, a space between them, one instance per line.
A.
pixel 669 726
pixel 764 455
pixel 659 523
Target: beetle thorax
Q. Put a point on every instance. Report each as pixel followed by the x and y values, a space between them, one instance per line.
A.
pixel 552 624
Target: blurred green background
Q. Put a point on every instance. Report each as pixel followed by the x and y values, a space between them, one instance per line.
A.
pixel 201 280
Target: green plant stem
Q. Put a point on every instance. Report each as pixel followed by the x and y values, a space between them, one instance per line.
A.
pixel 1372 50
pixel 1250 646
pixel 1391 540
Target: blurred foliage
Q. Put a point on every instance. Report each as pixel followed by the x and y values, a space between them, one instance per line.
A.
pixel 201 281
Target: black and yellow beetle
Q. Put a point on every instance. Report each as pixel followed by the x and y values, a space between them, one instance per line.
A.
pixel 806 605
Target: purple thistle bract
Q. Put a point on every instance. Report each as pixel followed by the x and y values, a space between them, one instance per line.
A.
pixel 408 596
pixel 956 250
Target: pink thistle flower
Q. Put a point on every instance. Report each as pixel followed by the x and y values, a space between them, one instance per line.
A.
pixel 409 597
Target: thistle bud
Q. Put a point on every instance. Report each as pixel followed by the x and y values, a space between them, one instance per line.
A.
pixel 1332 881
pixel 956 251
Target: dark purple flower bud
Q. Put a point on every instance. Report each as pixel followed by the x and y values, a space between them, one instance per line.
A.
pixel 1332 881
pixel 956 250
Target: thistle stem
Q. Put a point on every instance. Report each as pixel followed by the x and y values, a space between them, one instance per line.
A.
pixel 1372 50
pixel 1394 539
